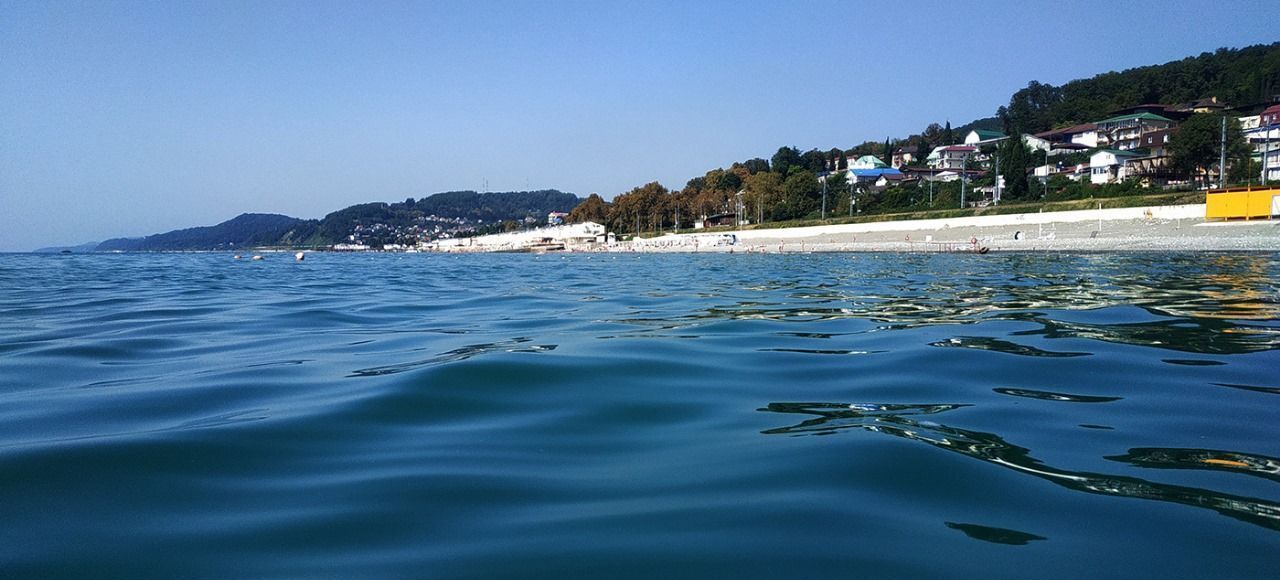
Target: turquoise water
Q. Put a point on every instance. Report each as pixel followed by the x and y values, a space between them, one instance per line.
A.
pixel 682 416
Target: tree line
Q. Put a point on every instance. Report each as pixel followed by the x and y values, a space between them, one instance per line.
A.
pixel 793 184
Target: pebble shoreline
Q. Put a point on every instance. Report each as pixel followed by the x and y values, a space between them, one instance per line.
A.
pixel 1165 228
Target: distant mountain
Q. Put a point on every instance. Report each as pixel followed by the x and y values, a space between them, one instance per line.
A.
pixel 243 231
pixel 80 249
pixel 389 220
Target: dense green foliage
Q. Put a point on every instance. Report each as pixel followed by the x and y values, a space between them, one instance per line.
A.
pixel 1014 161
pixel 489 208
pixel 496 206
pixel 592 209
pixel 1235 76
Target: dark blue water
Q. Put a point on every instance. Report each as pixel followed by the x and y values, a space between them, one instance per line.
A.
pixel 743 416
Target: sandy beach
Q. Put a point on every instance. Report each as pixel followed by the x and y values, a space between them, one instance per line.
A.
pixel 1160 228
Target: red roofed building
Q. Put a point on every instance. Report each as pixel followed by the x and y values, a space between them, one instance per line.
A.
pixel 1271 115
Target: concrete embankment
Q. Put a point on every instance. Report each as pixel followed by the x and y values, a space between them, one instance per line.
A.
pixel 1173 228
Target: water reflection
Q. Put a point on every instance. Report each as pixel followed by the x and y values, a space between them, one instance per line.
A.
pixel 903 421
pixel 1202 335
pixel 1226 305
pixel 997 345
pixel 519 344
pixel 995 535
pixel 1210 459
pixel 1051 396
pixel 1254 388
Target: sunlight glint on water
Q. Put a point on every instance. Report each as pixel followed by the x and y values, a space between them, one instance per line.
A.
pixel 926 416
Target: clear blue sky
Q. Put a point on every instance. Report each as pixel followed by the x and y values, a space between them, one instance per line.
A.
pixel 131 118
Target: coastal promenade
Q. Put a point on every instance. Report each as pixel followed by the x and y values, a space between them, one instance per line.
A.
pixel 1156 228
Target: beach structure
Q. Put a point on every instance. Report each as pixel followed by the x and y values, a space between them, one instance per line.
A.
pixel 1244 203
pixel 570 236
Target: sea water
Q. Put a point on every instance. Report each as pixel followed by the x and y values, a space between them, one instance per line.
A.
pixel 640 416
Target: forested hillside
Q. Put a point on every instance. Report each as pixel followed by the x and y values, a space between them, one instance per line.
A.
pixel 377 222
pixel 1237 77
pixel 243 231
pixel 470 206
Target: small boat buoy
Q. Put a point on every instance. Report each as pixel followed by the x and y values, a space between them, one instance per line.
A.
pixel 256 258
pixel 299 256
pixel 236 257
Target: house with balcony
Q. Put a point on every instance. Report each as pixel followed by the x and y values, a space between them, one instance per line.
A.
pixel 1156 167
pixel 1110 165
pixel 951 156
pixel 1124 133
pixel 1263 136
pixel 870 169
pixel 904 156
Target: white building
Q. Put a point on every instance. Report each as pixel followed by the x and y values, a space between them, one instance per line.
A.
pixel 1264 136
pixel 1109 165
pixel 580 234
pixel 950 157
pixel 868 162
pixel 1123 133
pixel 978 137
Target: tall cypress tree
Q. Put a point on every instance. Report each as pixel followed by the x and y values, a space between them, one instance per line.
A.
pixel 948 138
pixel 1013 162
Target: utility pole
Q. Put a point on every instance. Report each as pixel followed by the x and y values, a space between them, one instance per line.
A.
pixel 824 196
pixel 996 196
pixel 1045 195
pixel 1266 153
pixel 851 198
pixel 964 160
pixel 1222 159
pixel 739 208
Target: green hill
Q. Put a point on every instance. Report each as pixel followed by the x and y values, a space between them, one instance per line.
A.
pixel 1239 77
pixel 243 231
pixel 390 222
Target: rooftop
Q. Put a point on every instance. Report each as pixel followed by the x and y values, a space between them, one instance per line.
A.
pixel 1119 153
pixel 1136 117
pixel 876 171
pixel 1072 130
pixel 985 135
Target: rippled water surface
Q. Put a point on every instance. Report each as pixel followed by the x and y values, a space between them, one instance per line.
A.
pixel 738 416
